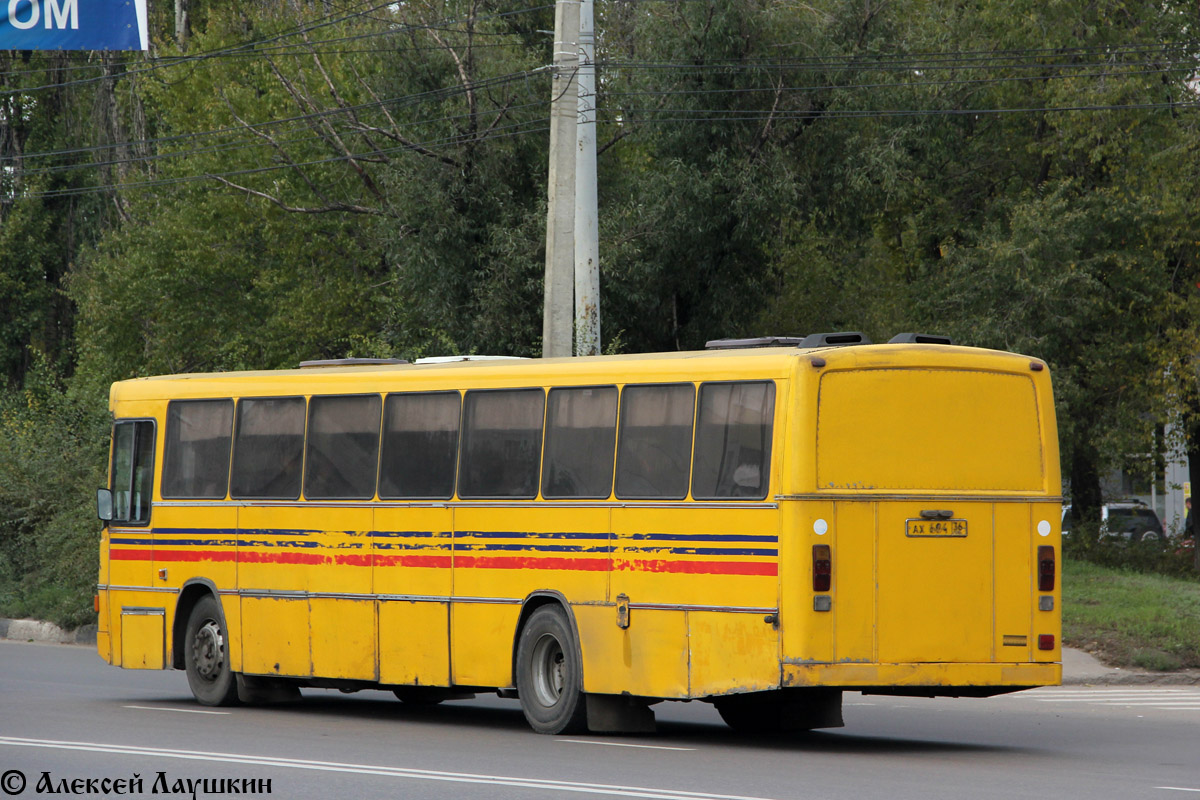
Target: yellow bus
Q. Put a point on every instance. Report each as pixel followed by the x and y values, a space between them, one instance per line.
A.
pixel 761 525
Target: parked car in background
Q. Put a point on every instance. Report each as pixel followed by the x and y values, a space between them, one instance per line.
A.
pixel 1128 520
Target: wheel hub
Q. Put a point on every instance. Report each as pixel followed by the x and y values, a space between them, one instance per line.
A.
pixel 208 651
pixel 548 670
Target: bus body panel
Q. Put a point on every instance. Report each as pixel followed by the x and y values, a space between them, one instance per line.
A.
pixel 718 596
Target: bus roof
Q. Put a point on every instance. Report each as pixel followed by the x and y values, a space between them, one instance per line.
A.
pixel 727 364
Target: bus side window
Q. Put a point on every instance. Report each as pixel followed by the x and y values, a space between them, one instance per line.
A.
pixel 654 448
pixel 343 447
pixel 132 472
pixel 420 445
pixel 196 457
pixel 502 443
pixel 581 434
pixel 733 440
pixel 268 447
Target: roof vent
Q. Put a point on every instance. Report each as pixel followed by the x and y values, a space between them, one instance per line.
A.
pixel 456 359
pixel 352 362
pixel 760 341
pixel 920 338
pixel 834 339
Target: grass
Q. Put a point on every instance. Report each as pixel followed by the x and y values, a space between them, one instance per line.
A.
pixel 1131 619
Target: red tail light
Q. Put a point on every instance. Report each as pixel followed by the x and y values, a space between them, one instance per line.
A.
pixel 1045 568
pixel 1046 641
pixel 822 568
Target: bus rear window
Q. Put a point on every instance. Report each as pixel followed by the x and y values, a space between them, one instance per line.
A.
pixel 964 430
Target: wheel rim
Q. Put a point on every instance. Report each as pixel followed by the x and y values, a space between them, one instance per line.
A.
pixel 549 670
pixel 208 650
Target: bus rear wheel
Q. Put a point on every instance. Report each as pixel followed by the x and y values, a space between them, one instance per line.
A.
pixel 206 656
pixel 549 675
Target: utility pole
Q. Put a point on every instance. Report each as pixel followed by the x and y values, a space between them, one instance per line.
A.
pixel 587 247
pixel 560 219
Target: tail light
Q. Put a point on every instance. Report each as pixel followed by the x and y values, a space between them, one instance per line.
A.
pixel 1046 641
pixel 1046 568
pixel 822 568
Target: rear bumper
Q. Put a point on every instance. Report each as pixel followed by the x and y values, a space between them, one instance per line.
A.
pixel 924 675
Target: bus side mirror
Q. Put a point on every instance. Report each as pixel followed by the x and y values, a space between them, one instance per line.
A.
pixel 104 506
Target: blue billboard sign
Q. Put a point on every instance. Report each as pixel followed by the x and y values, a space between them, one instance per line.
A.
pixel 73 25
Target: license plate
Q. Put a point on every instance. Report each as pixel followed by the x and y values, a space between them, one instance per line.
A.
pixel 936 527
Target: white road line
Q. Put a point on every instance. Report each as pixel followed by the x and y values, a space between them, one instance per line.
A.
pixel 180 710
pixel 1177 789
pixel 611 790
pixel 622 744
pixel 1118 700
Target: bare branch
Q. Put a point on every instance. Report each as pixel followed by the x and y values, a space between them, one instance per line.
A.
pixel 278 148
pixel 394 134
pixel 332 207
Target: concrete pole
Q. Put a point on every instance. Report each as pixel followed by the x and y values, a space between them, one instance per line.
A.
pixel 587 245
pixel 560 217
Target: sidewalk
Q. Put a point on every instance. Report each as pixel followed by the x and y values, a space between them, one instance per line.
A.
pixel 1079 668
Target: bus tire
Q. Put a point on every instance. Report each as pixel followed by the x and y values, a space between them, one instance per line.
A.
pixel 549 675
pixel 206 655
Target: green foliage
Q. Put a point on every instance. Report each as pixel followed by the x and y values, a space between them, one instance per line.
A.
pixel 52 458
pixel 376 186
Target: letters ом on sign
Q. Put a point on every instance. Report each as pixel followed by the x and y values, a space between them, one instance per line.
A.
pixel 73 25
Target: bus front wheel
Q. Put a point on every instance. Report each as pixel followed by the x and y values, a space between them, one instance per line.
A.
pixel 549 675
pixel 206 656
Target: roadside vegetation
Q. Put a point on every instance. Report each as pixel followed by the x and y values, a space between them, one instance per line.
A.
pixel 1131 619
pixel 280 181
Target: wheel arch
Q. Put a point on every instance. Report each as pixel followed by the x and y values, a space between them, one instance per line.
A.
pixel 532 602
pixel 190 594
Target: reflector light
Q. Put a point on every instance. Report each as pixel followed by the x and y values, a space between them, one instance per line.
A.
pixel 822 568
pixel 1045 641
pixel 96 603
pixel 1045 568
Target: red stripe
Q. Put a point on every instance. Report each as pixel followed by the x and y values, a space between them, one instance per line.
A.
pixel 130 555
pixel 443 561
pixel 701 567
pixel 531 562
pixel 413 561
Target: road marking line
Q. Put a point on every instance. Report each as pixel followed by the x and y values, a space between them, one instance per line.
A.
pixel 1177 789
pixel 370 769
pixel 180 710
pixel 623 744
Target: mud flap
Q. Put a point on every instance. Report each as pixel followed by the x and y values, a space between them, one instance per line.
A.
pixel 252 690
pixel 614 713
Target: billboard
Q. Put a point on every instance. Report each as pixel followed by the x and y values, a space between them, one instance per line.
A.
pixel 73 25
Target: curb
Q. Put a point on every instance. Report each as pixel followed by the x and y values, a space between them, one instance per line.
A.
pixel 32 630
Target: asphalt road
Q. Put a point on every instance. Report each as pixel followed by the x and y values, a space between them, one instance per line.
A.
pixel 66 713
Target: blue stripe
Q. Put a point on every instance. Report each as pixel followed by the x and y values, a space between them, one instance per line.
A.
pixel 550 548
pixel 398 546
pixel 529 535
pixel 415 534
pixel 702 537
pixel 703 551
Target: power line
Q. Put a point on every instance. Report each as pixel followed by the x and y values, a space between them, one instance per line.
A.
pixel 431 144
pixel 401 101
pixel 255 46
